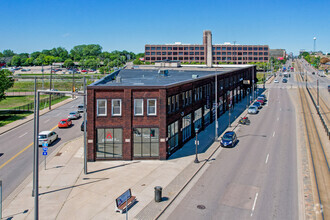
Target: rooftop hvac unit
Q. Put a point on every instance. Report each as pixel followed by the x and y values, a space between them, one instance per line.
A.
pixel 163 72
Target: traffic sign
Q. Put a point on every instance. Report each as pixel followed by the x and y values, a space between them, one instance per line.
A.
pixel 45 149
pixel 45 144
pixel 44 153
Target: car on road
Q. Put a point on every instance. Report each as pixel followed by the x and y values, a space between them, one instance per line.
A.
pixel 82 126
pixel 47 137
pixel 257 104
pixel 65 123
pixel 84 71
pixel 74 115
pixel 80 108
pixel 284 80
pixel 275 81
pixel 313 73
pixel 264 96
pixel 253 110
pixel 229 139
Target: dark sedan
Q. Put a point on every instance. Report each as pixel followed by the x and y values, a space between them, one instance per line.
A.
pixel 229 139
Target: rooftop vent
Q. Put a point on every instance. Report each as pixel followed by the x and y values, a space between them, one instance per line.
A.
pixel 163 73
pixel 118 79
pixel 194 76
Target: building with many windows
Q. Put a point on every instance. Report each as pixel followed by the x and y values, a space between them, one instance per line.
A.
pixel 207 52
pixel 150 113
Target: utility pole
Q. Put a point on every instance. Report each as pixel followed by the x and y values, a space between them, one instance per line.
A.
pixel 42 71
pixel 50 87
pixel 73 85
pixel 36 160
pixel 34 130
pixel 85 127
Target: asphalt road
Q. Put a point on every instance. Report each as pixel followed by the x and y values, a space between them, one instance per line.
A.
pixel 257 179
pixel 16 162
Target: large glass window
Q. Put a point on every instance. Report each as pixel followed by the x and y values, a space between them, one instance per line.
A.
pixel 116 107
pixel 152 107
pixel 109 143
pixel 138 106
pixel 145 142
pixel 172 135
pixel 101 107
pixel 186 127
pixel 198 118
pixel 207 115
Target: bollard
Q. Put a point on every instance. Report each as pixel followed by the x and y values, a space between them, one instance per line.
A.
pixel 158 194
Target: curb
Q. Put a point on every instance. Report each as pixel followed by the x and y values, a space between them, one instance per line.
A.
pixel 28 120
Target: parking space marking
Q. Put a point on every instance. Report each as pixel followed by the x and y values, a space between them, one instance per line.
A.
pixel 267 159
pixel 254 203
pixel 22 135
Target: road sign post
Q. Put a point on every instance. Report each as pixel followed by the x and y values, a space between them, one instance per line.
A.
pixel 45 149
pixel 0 199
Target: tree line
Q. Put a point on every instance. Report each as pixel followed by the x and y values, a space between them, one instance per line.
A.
pixel 88 56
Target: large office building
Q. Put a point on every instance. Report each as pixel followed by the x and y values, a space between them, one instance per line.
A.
pixel 136 114
pixel 207 52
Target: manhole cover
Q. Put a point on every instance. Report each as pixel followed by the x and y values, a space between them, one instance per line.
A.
pixel 201 206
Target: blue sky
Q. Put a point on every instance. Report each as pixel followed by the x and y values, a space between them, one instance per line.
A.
pixel 34 25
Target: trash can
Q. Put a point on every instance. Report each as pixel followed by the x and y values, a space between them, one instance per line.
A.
pixel 158 193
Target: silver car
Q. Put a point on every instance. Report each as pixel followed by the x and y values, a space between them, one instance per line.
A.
pixel 74 115
pixel 253 110
pixel 47 137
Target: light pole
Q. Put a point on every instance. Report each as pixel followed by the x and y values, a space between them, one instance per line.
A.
pixel 196 143
pixel 314 44
pixel 216 106
pixel 50 87
pixel 318 104
pixel 229 125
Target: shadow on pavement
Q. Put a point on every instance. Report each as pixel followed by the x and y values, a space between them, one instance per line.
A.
pixel 109 168
pixel 71 187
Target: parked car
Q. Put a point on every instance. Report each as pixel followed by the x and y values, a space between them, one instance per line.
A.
pixel 264 96
pixel 257 104
pixel 65 123
pixel 81 108
pixel 82 126
pixel 253 110
pixel 284 80
pixel 47 137
pixel 74 115
pixel 261 100
pixel 313 73
pixel 229 139
pixel 275 81
pixel 84 71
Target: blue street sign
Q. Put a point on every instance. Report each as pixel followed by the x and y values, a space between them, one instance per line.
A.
pixel 45 144
pixel 45 149
pixel 44 153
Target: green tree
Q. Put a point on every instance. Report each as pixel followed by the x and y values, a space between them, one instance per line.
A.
pixel 28 62
pixel 6 82
pixel 68 63
pixel 8 53
pixel 15 61
pixel 1 54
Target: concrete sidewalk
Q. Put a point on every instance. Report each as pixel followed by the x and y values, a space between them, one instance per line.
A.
pixel 66 193
pixel 17 123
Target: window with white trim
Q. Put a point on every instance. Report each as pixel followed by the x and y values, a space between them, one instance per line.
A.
pixel 152 107
pixel 138 106
pixel 116 107
pixel 101 107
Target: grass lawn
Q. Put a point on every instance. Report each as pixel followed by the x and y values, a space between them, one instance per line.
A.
pixel 11 118
pixel 15 101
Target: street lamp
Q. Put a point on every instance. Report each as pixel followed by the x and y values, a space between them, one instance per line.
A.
pixel 196 143
pixel 216 106
pixel 229 125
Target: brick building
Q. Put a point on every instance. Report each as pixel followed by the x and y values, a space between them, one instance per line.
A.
pixel 149 114
pixel 207 52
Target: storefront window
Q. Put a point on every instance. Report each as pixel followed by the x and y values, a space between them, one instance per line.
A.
pixel 172 135
pixel 109 143
pixel 186 127
pixel 198 118
pixel 146 142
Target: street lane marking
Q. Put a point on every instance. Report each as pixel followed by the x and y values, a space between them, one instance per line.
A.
pixel 16 155
pixel 254 204
pixel 22 135
pixel 278 118
pixel 267 159
pixel 46 121
pixel 280 109
pixel 274 134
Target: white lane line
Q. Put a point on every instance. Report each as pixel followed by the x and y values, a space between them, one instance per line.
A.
pixel 278 118
pixel 280 109
pixel 274 134
pixel 267 159
pixel 22 135
pixel 46 121
pixel 254 204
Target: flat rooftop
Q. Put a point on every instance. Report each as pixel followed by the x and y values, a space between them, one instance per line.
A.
pixel 151 77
